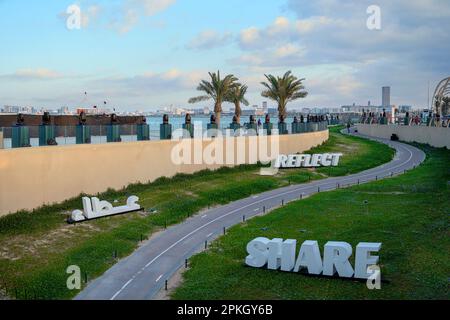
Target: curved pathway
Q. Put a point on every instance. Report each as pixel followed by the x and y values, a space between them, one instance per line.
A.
pixel 141 275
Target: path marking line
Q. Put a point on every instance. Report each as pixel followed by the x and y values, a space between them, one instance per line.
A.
pixel 245 207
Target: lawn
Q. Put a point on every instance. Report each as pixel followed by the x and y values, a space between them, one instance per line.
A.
pixel 37 247
pixel 409 214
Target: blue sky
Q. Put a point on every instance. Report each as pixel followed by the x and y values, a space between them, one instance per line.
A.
pixel 147 54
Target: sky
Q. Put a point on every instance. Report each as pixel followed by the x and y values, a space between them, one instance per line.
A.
pixel 149 54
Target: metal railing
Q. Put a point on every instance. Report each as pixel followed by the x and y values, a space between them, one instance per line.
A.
pixel 100 134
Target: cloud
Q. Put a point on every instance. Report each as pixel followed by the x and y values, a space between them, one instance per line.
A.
pixel 131 12
pixel 251 38
pixel 148 89
pixel 337 32
pixel 209 39
pixel 304 26
pixel 152 7
pixel 289 50
pixel 282 30
pixel 90 15
pixel 128 21
pixel 32 74
pixel 325 41
pixel 286 55
pixel 152 82
pixel 410 49
pixel 121 16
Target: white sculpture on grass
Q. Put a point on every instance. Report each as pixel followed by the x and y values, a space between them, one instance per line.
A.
pixel 307 160
pixel 94 208
pixel 281 255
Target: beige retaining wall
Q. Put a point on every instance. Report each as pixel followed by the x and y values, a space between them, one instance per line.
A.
pixel 32 177
pixel 436 137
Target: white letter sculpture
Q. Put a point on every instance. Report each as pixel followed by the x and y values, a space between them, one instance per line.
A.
pixel 364 259
pixel 336 255
pixel 258 253
pixel 94 209
pixel 277 254
pixel 307 160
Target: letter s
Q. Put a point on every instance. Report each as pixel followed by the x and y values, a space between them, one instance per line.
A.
pixel 258 253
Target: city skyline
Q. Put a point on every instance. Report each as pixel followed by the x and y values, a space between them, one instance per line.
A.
pixel 146 54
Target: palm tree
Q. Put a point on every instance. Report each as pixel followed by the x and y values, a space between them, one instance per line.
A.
pixel 236 95
pixel 283 90
pixel 217 89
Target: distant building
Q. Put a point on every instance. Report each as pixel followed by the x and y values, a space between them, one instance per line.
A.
pixel 359 109
pixel 196 111
pixel 11 109
pixel 404 109
pixel 94 111
pixel 64 110
pixel 265 106
pixel 247 112
pixel 386 97
pixel 306 110
pixel 18 109
pixel 335 110
pixel 272 111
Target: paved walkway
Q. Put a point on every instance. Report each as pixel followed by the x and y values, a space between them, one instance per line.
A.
pixel 141 275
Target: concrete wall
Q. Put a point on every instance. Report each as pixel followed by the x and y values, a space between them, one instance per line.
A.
pixel 32 177
pixel 436 137
pixel 1 139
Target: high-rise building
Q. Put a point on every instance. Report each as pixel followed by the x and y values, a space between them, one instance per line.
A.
pixel 265 107
pixel 386 100
pixel 64 110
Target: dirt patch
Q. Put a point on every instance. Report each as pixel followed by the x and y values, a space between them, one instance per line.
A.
pixel 351 148
pixel 17 247
pixel 190 194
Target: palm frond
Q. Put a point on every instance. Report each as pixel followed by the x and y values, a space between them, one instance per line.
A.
pixel 283 89
pixel 199 99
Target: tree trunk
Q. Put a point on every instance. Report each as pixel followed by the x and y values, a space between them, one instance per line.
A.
pixel 217 111
pixel 238 111
pixel 281 112
pixel 218 119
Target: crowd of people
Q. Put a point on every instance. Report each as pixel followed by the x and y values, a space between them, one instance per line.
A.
pixel 433 120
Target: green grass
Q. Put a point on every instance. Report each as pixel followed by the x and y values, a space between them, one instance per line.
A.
pixel 37 247
pixel 409 214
